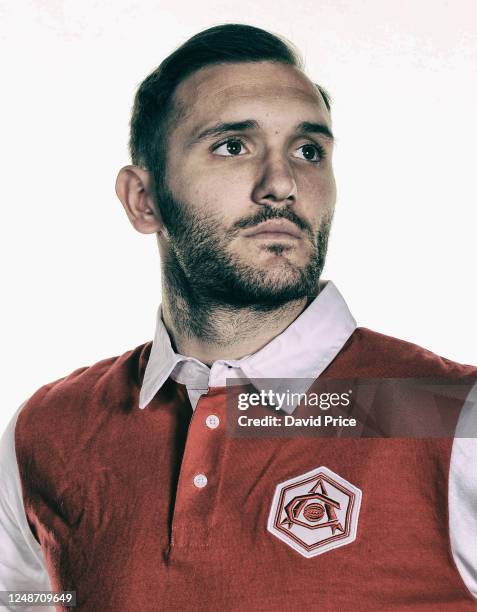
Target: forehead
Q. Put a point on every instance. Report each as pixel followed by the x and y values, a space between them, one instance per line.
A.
pixel 221 91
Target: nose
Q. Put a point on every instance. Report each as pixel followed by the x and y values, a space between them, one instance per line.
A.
pixel 275 183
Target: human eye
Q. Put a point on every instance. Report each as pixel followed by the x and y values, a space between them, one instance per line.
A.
pixel 232 147
pixel 311 152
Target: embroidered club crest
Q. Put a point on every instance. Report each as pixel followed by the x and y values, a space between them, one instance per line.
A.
pixel 315 512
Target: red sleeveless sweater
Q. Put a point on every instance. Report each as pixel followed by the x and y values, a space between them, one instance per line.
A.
pixel 108 491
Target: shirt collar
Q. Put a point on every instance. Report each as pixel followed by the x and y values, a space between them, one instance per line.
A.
pixel 303 350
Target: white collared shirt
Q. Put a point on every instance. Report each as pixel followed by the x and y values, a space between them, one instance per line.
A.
pixel 302 351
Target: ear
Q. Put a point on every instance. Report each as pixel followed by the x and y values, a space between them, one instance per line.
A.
pixel 133 188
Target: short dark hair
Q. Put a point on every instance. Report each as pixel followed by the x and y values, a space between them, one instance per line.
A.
pixel 153 104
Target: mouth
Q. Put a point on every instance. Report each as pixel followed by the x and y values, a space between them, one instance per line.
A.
pixel 274 229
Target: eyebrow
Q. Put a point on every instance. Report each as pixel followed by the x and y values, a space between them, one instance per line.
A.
pixel 223 128
pixel 306 127
pixel 316 128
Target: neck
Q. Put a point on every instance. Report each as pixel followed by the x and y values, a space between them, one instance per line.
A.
pixel 208 330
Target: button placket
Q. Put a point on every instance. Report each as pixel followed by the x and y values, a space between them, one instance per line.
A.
pixel 199 473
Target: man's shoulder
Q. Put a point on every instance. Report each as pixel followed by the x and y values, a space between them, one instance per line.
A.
pixel 381 354
pixel 100 381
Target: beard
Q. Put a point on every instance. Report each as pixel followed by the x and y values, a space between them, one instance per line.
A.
pixel 201 270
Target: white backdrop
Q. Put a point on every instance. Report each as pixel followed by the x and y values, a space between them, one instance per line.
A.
pixel 80 284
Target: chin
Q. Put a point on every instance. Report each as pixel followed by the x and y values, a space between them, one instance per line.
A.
pixel 280 277
pixel 280 265
pixel 276 255
pixel 279 284
pixel 265 282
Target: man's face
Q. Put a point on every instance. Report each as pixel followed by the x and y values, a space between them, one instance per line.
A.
pixel 249 192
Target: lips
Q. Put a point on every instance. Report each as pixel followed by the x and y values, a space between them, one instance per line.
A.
pixel 274 228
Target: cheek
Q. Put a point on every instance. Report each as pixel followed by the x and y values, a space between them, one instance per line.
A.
pixel 223 193
pixel 318 197
pixel 329 194
pixel 221 199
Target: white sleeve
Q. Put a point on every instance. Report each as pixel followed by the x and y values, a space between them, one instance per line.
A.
pixel 463 494
pixel 22 566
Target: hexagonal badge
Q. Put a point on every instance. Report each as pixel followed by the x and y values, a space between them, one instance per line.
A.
pixel 315 512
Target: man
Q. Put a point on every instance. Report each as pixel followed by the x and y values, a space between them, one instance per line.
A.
pixel 121 482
